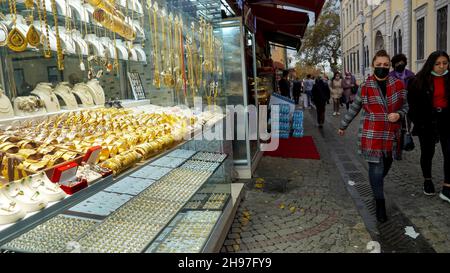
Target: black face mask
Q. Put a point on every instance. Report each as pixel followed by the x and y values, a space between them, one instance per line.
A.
pixel 381 72
pixel 400 68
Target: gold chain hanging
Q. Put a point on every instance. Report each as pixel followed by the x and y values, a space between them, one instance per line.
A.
pixel 156 78
pixel 16 40
pixel 45 40
pixel 59 53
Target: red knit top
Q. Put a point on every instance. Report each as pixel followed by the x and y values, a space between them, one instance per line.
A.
pixel 439 99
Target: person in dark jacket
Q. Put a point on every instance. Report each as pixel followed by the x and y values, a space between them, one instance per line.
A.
pixel 320 96
pixel 428 97
pixel 297 89
pixel 284 85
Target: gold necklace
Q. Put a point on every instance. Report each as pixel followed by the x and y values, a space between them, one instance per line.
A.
pixel 16 40
pixel 33 37
pixel 59 53
pixel 197 69
pixel 191 77
pixel 45 41
pixel 156 79
pixel 182 66
pixel 167 74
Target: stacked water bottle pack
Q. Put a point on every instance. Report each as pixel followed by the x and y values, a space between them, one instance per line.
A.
pixel 297 124
pixel 281 123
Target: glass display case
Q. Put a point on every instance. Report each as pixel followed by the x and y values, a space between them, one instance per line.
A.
pixel 175 202
pixel 240 91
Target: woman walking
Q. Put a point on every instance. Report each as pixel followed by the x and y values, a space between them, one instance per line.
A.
pixel 428 95
pixel 383 102
pixel 348 84
pixel 336 92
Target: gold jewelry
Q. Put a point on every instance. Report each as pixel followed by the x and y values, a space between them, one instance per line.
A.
pixel 44 24
pixel 156 74
pixel 16 40
pixel 33 37
pixel 59 52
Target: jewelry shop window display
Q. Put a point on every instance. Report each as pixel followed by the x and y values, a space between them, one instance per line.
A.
pixel 45 92
pixel 64 91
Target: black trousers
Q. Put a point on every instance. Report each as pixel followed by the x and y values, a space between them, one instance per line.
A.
pixel 320 108
pixel 296 96
pixel 428 139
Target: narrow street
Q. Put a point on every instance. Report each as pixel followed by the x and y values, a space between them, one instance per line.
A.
pixel 326 205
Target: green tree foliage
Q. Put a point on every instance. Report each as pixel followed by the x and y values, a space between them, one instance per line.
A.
pixel 322 42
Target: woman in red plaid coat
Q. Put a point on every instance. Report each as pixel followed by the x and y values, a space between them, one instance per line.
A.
pixel 383 101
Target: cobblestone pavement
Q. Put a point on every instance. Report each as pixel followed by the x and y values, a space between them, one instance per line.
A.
pixel 296 205
pixel 299 206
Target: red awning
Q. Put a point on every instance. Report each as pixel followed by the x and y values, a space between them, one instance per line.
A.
pixel 309 5
pixel 281 26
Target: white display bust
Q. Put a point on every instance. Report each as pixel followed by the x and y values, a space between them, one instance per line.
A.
pixel 97 92
pixel 6 109
pixel 45 92
pixel 83 92
pixel 93 40
pixel 65 93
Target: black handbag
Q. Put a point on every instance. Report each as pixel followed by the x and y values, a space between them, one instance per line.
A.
pixel 407 139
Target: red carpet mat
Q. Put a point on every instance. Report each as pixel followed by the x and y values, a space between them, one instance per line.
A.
pixel 303 148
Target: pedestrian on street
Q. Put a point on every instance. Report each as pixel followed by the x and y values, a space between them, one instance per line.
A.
pixel 308 84
pixel 297 89
pixel 336 92
pixel 403 74
pixel 348 85
pixel 400 72
pixel 284 85
pixel 383 101
pixel 320 96
pixel 428 95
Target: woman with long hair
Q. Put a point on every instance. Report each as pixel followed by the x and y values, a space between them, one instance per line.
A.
pixel 336 92
pixel 428 95
pixel 383 102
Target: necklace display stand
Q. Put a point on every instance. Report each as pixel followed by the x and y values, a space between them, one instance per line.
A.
pixel 6 109
pixel 63 91
pixel 97 92
pixel 122 49
pixel 45 92
pixel 83 92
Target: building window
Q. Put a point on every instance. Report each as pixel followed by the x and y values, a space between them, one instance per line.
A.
pixel 357 61
pixel 400 41
pixel 421 39
pixel 395 43
pixel 442 29
pixel 367 57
